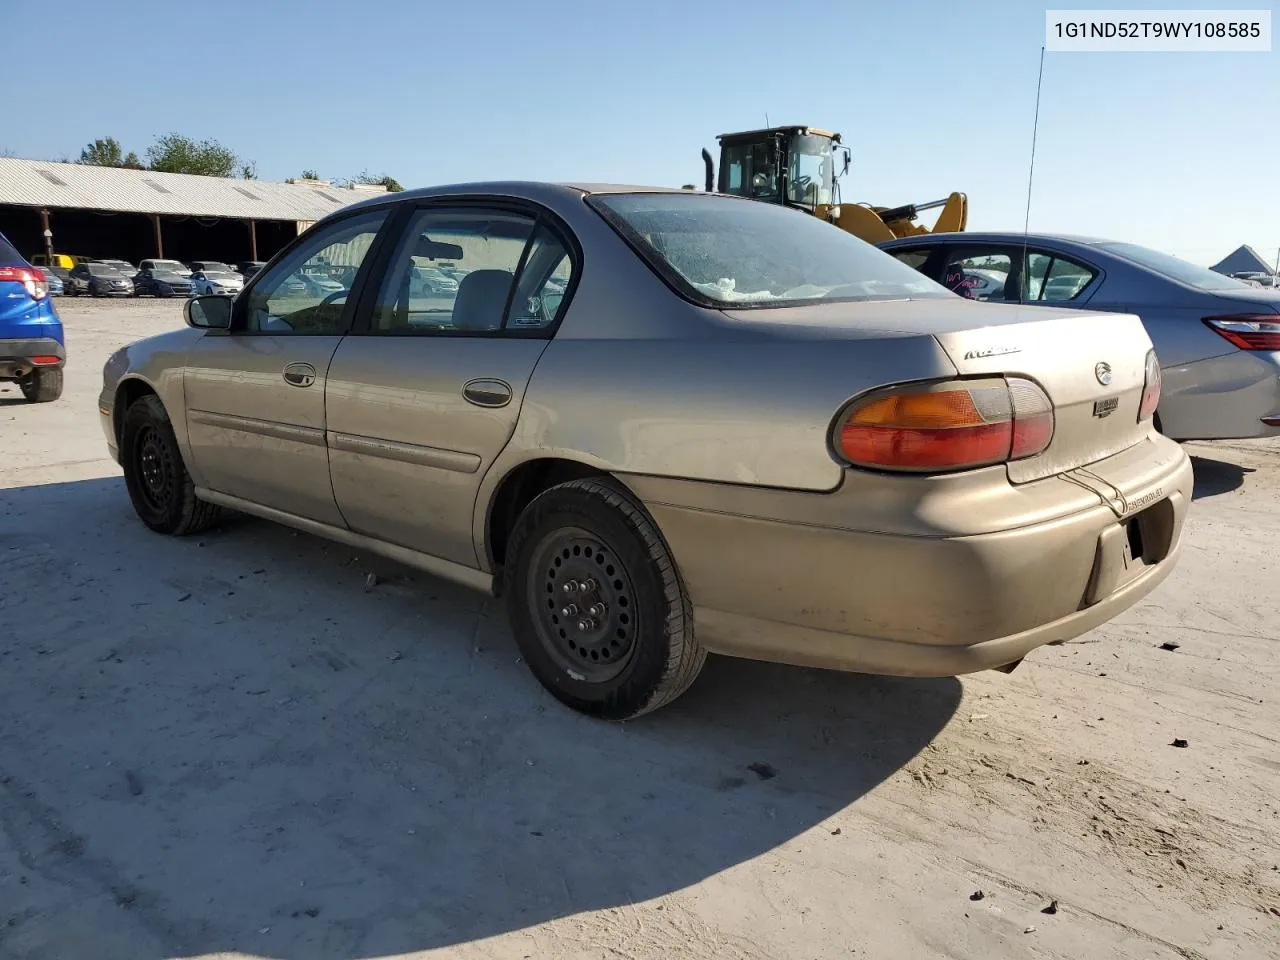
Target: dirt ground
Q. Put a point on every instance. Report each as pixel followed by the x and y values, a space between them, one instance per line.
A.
pixel 228 746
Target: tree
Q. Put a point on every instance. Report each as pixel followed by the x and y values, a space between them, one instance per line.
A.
pixel 249 171
pixel 131 162
pixel 381 179
pixel 310 175
pixel 174 153
pixel 104 152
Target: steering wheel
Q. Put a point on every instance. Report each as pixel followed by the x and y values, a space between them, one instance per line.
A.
pixel 332 297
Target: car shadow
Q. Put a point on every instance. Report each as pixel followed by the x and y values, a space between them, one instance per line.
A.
pixel 258 741
pixel 1216 477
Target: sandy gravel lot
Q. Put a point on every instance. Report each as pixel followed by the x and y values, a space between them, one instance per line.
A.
pixel 228 746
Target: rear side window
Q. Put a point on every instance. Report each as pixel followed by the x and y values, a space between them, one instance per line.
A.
pixel 723 251
pixel 1055 279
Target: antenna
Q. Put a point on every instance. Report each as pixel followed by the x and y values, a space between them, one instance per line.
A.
pixel 1035 129
pixel 766 118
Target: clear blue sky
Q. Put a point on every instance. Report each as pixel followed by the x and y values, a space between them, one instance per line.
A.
pixel 1177 151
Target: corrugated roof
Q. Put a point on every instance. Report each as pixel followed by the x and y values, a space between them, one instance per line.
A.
pixel 35 183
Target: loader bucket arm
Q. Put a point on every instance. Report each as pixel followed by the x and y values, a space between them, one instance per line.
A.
pixel 877 224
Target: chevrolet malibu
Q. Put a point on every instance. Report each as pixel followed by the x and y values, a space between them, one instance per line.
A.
pixel 662 423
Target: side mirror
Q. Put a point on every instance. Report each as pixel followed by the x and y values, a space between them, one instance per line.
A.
pixel 208 312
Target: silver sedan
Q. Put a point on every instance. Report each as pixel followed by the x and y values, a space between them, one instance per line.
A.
pixel 1218 338
pixel 663 423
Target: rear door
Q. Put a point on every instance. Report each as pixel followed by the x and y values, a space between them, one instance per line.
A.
pixel 426 393
pixel 255 395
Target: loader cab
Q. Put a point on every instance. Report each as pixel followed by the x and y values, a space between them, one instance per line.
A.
pixel 793 166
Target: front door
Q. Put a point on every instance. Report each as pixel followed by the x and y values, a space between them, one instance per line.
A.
pixel 425 393
pixel 255 394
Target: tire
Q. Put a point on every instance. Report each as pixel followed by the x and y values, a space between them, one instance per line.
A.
pixel 640 653
pixel 42 385
pixel 159 486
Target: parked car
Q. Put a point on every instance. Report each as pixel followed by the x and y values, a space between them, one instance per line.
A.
pixel 56 288
pixel 32 347
pixel 124 266
pixel 209 280
pixel 98 280
pixel 426 281
pixel 1217 337
pixel 740 431
pixel 162 278
pixel 211 266
pixel 249 268
pixel 64 260
pixel 166 266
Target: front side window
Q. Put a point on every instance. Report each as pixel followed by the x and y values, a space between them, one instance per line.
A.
pixel 728 252
pixel 980 274
pixel 454 272
pixel 749 170
pixel 299 295
pixel 915 259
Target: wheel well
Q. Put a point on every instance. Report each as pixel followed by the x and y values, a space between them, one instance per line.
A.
pixel 127 393
pixel 517 491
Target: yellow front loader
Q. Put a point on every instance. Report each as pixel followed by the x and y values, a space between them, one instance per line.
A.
pixel 797 167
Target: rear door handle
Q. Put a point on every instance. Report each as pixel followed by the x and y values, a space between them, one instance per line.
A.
pixel 299 374
pixel 487 393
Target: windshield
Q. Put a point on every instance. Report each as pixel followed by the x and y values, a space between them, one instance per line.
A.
pixel 809 176
pixel 104 270
pixel 1202 278
pixel 168 266
pixel 730 252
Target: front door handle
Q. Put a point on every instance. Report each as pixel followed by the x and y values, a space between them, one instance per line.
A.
pixel 299 374
pixel 487 393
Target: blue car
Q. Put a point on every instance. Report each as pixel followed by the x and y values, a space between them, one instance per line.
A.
pixel 32 348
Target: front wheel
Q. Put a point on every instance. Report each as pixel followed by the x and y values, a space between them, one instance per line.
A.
pixel 42 385
pixel 596 602
pixel 159 486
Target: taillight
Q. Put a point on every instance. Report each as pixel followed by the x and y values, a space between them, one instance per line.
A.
pixel 1248 331
pixel 31 278
pixel 1150 388
pixel 946 426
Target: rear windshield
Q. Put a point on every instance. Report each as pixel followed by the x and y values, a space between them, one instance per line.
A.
pixel 726 251
pixel 8 255
pixel 1201 278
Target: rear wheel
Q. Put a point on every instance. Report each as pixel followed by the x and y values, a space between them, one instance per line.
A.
pixel 159 486
pixel 42 385
pixel 596 602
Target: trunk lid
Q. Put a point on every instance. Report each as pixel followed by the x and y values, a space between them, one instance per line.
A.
pixel 1092 366
pixel 1059 349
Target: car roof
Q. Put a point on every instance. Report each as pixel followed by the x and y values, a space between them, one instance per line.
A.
pixel 1012 236
pixel 536 190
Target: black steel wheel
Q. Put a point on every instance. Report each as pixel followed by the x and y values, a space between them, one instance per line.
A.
pixel 159 486
pixel 588 622
pixel 596 602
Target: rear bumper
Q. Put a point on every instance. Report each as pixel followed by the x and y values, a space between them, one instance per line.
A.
pixel 921 605
pixel 1232 397
pixel 16 355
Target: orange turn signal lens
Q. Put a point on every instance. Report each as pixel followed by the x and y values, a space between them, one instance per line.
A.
pixel 950 426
